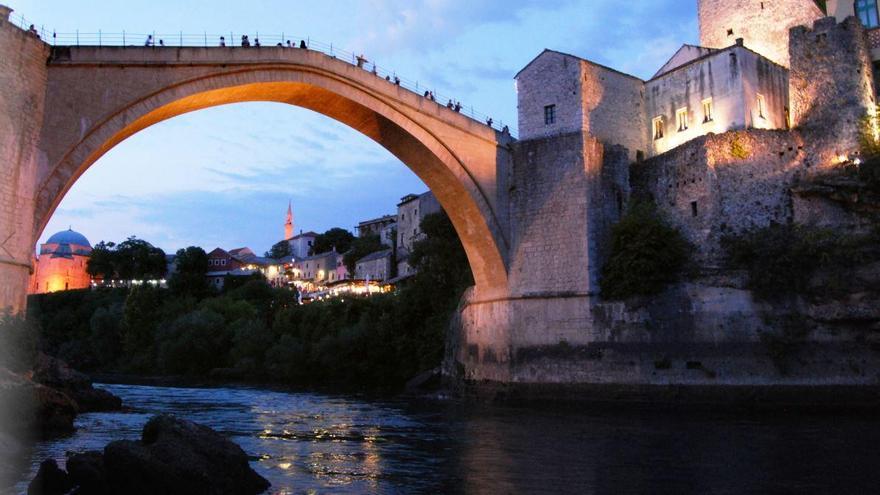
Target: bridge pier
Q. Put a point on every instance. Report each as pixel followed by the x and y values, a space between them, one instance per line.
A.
pixel 23 77
pixel 566 192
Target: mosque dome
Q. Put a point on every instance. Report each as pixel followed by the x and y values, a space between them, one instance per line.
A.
pixel 69 237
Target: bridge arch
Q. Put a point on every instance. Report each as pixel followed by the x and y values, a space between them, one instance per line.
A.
pixel 456 159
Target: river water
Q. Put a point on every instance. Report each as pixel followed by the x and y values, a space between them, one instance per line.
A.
pixel 318 443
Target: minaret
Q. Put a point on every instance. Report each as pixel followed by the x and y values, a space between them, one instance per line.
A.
pixel 288 225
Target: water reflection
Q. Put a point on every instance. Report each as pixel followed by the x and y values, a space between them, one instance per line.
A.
pixel 313 443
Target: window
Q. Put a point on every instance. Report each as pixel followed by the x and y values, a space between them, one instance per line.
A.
pixel 707 110
pixel 762 108
pixel 866 10
pixel 657 125
pixel 693 209
pixel 223 262
pixel 681 118
pixel 549 114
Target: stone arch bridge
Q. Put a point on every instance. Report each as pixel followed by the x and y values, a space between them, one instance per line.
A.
pixel 525 220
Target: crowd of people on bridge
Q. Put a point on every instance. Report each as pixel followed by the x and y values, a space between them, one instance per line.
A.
pixel 360 60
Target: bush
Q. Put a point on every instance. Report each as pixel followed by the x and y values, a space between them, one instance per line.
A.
pixel 781 259
pixel 646 254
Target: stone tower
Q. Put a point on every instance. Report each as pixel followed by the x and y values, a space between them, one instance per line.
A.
pixel 831 86
pixel 763 25
pixel 288 225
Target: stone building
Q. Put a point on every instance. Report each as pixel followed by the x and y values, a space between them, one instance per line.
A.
pixel 719 134
pixel 301 244
pixel 704 90
pixel 698 91
pixel 61 264
pixel 410 212
pixel 762 25
pixel 375 266
pixel 376 226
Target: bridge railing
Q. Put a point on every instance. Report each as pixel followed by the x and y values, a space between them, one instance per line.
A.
pixel 232 39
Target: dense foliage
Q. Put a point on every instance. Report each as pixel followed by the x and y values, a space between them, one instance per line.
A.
pixel 132 259
pixel 254 331
pixel 279 250
pixel 335 238
pixel 646 254
pixel 191 265
pixel 782 259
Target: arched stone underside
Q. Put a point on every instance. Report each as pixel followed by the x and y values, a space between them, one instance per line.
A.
pixel 456 157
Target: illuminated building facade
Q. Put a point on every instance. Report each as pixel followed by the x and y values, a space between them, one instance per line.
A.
pixel 61 264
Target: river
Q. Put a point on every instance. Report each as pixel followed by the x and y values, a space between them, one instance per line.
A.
pixel 320 443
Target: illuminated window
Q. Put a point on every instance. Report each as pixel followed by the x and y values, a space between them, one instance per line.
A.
pixel 762 107
pixel 549 114
pixel 681 118
pixel 866 10
pixel 707 110
pixel 657 125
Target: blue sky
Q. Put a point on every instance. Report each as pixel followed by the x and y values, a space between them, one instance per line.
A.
pixel 223 176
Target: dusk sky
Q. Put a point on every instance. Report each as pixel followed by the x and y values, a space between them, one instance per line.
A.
pixel 223 176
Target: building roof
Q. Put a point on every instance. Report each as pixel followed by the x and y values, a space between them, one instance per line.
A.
pixel 375 256
pixel 713 53
pixel 547 50
pixel 306 234
pixel 406 199
pixel 382 219
pixel 682 56
pixel 69 237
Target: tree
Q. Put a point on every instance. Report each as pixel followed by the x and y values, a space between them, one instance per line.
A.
pixel 439 258
pixel 101 261
pixel 190 276
pixel 361 247
pixel 137 259
pixel 646 254
pixel 279 250
pixel 336 237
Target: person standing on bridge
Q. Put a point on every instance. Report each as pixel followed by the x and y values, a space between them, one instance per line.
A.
pixel 149 41
pixel 257 42
pixel 222 41
pixel 289 45
pixel 302 44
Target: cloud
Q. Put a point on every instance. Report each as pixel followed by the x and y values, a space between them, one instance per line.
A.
pixel 427 25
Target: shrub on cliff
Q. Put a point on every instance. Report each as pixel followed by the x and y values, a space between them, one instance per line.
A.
pixel 782 259
pixel 646 254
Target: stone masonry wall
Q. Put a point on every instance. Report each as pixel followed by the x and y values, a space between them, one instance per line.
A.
pixel 724 184
pixel 763 24
pixel 553 78
pixel 23 76
pixel 831 85
pixel 613 105
pixel 606 103
pixel 567 191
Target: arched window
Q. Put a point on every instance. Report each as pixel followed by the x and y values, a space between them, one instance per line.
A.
pixel 867 12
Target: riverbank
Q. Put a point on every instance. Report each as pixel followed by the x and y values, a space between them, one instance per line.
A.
pixel 757 399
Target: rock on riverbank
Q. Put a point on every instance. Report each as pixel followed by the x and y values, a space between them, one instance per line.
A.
pixel 174 456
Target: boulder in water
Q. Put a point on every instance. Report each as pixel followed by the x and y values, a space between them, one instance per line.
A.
pixel 174 456
pixel 50 480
